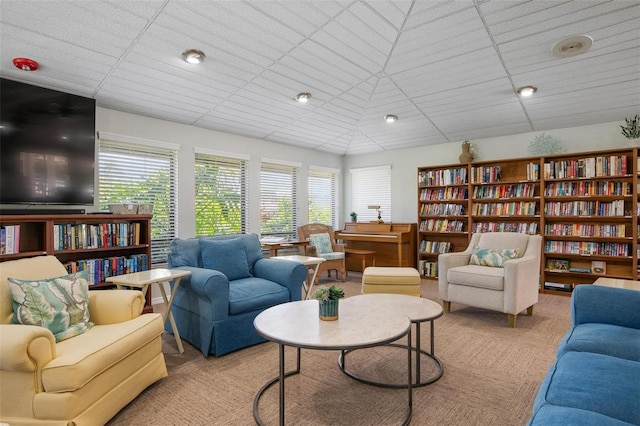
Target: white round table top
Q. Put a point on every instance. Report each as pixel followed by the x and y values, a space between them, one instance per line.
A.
pixel 416 308
pixel 298 324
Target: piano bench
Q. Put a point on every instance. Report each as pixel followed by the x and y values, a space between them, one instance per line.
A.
pixel 362 255
pixel 392 280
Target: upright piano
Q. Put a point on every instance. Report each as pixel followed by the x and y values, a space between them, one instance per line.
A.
pixel 394 243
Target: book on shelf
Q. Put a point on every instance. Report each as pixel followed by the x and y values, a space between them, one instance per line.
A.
pixel 11 239
pixel 582 270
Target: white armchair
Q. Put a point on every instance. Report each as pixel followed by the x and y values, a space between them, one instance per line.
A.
pixel 511 287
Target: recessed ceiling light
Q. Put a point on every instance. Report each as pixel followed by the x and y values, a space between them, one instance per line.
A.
pixel 193 56
pixel 572 46
pixel 303 97
pixel 25 64
pixel 526 91
pixel 390 118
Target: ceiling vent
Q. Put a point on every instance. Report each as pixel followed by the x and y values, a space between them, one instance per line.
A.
pixel 572 46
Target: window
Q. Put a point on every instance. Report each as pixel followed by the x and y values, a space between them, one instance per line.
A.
pixel 278 200
pixel 323 196
pixel 371 186
pixel 222 183
pixel 141 172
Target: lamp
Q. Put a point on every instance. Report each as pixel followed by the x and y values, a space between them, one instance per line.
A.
pixel 303 97
pixel 390 118
pixel 193 56
pixel 527 91
pixel 379 212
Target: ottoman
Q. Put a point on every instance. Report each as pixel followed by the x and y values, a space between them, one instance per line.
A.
pixel 391 280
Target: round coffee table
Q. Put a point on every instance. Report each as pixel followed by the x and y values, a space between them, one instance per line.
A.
pixel 418 310
pixel 297 324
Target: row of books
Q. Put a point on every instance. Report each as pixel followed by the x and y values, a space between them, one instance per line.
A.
pixel 435 246
pixel 585 230
pixel 613 165
pixel 485 174
pixel 442 225
pixel 441 209
pixel 456 176
pixel 69 236
pixel 530 228
pixel 505 191
pixel 587 248
pixel 584 208
pixel 10 239
pixel 533 171
pixel 522 208
pixel 103 268
pixel 428 269
pixel 448 193
pixel 584 188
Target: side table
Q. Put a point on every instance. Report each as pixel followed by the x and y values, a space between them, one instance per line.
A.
pixel 309 261
pixel 144 279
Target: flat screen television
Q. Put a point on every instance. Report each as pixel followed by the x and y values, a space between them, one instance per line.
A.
pixel 47 146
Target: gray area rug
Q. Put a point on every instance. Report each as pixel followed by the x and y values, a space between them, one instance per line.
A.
pixel 491 375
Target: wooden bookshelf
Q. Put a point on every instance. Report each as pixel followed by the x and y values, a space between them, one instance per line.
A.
pixel 585 206
pixel 115 244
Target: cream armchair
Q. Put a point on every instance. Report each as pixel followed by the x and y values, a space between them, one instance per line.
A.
pixel 509 288
pixel 83 380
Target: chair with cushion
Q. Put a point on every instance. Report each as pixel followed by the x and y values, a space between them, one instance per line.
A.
pixel 498 271
pixel 91 354
pixel 322 243
pixel 230 284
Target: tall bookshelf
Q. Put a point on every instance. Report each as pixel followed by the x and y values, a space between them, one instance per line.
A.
pixel 585 205
pixel 105 244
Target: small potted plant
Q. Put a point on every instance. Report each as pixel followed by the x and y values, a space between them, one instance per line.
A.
pixel 328 301
pixel 632 130
pixel 354 216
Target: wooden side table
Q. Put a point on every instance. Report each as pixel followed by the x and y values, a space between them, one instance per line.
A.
pixel 144 279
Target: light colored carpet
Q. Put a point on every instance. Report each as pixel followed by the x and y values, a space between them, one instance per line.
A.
pixel 491 375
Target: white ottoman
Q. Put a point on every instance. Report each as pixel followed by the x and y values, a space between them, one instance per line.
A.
pixel 393 280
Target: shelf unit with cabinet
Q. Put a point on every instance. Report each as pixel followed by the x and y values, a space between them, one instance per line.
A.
pixel 585 206
pixel 105 244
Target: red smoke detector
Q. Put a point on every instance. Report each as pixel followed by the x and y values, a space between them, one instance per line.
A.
pixel 25 64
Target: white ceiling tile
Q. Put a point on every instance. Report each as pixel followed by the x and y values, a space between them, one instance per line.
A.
pixel 449 70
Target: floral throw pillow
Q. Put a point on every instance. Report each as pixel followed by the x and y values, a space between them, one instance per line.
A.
pixel 492 257
pixel 322 243
pixel 60 304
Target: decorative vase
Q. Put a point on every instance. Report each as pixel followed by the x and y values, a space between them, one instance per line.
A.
pixel 634 142
pixel 467 155
pixel 329 310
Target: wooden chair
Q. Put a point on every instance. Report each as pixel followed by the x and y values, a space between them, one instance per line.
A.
pixel 334 254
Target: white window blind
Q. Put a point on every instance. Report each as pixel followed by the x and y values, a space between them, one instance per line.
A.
pixel 371 186
pixel 278 200
pixel 144 174
pixel 221 195
pixel 323 197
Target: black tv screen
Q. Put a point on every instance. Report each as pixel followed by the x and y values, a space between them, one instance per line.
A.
pixel 47 146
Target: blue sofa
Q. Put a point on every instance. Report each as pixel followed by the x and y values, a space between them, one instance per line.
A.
pixel 596 377
pixel 230 284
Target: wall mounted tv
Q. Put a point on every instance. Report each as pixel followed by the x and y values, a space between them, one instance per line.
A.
pixel 47 146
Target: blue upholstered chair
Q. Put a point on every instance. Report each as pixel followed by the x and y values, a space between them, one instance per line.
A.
pixel 322 243
pixel 230 284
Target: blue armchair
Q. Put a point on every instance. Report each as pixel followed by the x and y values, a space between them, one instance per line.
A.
pixel 230 284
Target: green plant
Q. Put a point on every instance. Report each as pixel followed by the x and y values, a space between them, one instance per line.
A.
pixel 632 129
pixel 324 293
pixel 353 215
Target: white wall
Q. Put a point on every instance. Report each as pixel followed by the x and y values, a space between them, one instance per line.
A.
pixel 405 162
